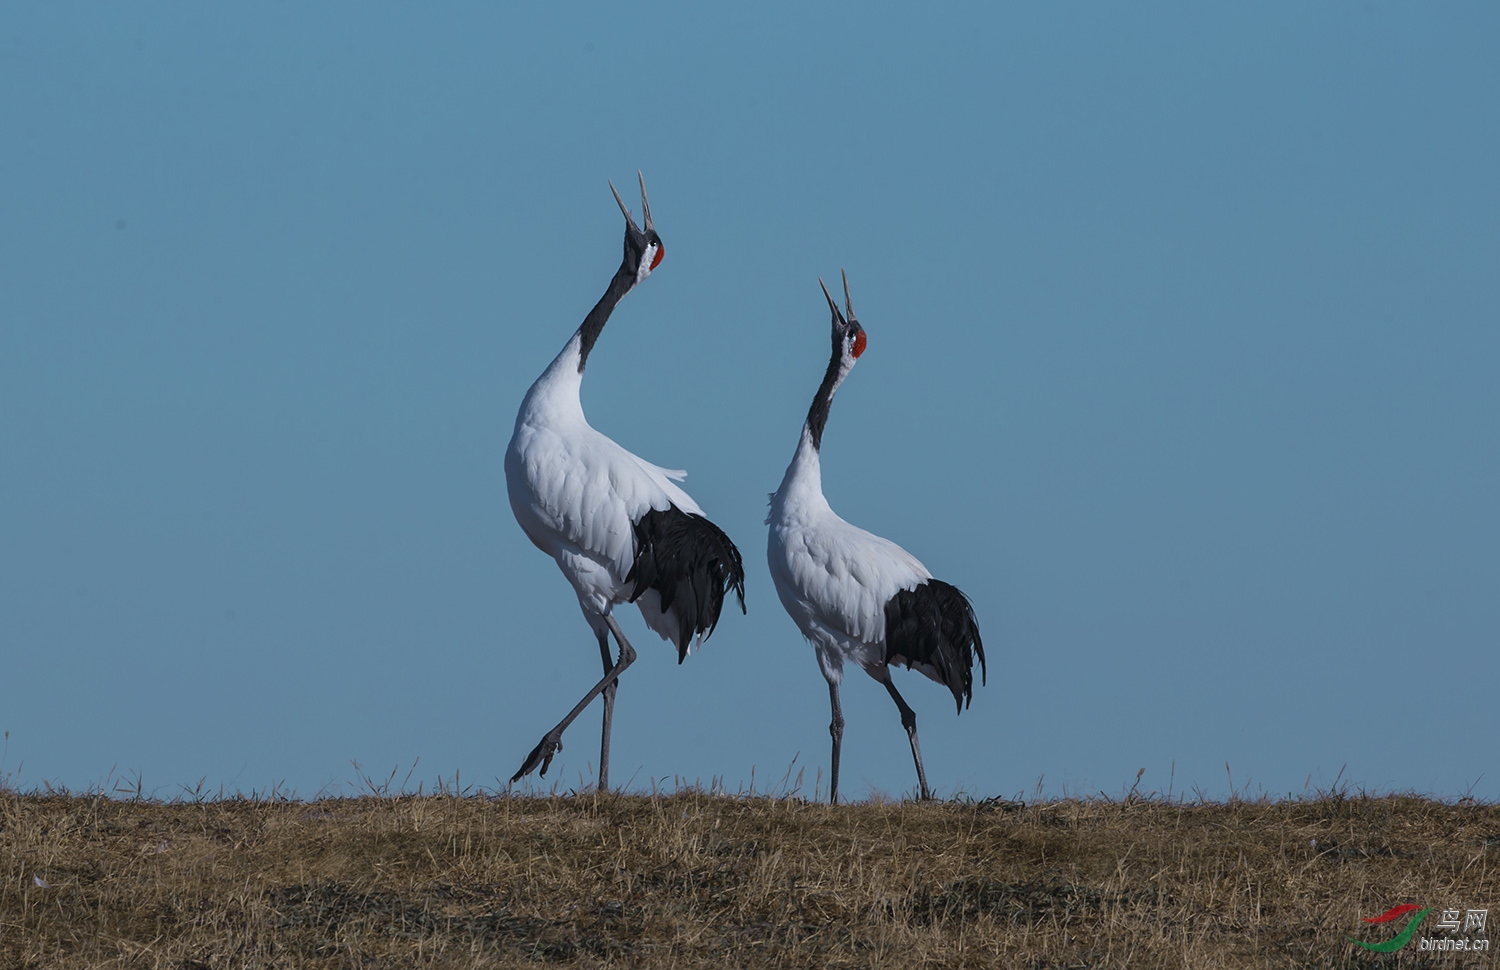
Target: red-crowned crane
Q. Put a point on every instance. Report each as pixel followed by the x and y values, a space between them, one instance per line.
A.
pixel 854 595
pixel 619 527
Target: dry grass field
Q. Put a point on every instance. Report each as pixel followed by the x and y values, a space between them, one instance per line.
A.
pixel 697 879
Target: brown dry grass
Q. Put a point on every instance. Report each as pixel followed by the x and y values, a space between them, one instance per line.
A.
pixel 697 879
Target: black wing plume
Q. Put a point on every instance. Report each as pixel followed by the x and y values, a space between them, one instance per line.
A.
pixel 692 564
pixel 934 624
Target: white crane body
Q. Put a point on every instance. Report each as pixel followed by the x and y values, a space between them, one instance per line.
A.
pixel 577 495
pixel 620 528
pixel 854 595
pixel 832 577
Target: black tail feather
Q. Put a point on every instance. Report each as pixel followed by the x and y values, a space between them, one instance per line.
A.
pixel 692 564
pixel 934 624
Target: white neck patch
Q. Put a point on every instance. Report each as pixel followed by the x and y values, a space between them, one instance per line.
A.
pixel 644 270
pixel 849 359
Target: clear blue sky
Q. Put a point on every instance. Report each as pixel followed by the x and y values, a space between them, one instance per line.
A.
pixel 1184 325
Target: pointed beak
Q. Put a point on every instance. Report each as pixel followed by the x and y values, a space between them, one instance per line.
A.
pixel 629 219
pixel 831 304
pixel 645 204
pixel 848 303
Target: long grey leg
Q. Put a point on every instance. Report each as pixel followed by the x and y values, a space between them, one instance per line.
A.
pixel 909 721
pixel 835 728
pixel 551 742
pixel 609 710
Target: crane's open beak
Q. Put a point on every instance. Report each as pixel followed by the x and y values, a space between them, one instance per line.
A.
pixel 841 325
pixel 848 303
pixel 645 204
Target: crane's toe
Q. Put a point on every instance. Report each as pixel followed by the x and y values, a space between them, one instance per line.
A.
pixel 541 754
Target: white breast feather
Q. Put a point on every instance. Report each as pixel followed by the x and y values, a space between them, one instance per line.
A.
pixel 583 492
pixel 840 576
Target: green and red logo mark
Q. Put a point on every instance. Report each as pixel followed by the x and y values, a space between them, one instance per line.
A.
pixel 1400 939
pixel 1451 922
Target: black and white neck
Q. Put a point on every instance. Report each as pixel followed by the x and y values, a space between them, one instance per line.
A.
pixel 802 486
pixel 848 342
pixel 643 253
pixel 624 280
pixel 560 382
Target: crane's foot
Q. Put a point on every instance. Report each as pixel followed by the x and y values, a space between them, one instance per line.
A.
pixel 540 755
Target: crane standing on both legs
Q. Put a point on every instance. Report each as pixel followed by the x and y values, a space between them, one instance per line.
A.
pixel 854 595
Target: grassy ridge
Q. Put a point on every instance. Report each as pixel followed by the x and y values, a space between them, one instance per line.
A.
pixel 693 879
